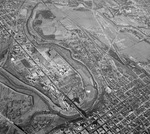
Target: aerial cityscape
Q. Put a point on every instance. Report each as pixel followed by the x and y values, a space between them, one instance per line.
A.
pixel 74 67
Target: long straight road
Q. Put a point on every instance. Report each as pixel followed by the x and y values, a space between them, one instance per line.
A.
pixel 14 83
pixel 81 112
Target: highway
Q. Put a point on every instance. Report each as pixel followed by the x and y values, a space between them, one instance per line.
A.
pixel 75 61
pixel 41 44
pixel 17 85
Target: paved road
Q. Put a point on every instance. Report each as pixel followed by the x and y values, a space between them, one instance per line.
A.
pixel 16 84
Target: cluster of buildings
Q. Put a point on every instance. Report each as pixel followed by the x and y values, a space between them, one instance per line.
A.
pixel 46 68
pixel 126 107
pixel 126 110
